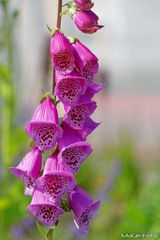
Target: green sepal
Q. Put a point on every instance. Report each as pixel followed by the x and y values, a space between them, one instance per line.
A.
pixel 52 31
pixel 64 12
pixel 72 39
pixel 46 95
pixel 72 9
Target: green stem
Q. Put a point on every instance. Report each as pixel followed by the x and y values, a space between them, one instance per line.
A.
pixel 58 26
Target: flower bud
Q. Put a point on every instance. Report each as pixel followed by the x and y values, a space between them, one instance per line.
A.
pixel 84 4
pixel 87 21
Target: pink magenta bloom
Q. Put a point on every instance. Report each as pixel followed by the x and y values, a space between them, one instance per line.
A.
pixel 87 21
pixel 83 207
pixel 88 128
pixel 43 127
pixel 75 116
pixel 73 150
pixel 86 61
pixel 70 87
pixel 45 211
pixel 55 180
pixel 91 91
pixel 84 4
pixel 61 53
pixel 29 169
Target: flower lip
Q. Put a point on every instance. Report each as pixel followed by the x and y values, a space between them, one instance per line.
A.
pixel 55 184
pixel 74 155
pixel 89 127
pixel 75 117
pixel 84 219
pixel 45 211
pixel 70 87
pixel 47 214
pixel 28 169
pixel 83 207
pixel 29 181
pixel 44 134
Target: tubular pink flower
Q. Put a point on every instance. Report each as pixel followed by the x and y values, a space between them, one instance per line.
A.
pixel 61 53
pixel 70 87
pixel 83 207
pixel 86 61
pixel 29 169
pixel 88 128
pixel 87 21
pixel 75 116
pixel 84 4
pixel 73 150
pixel 91 91
pixel 55 180
pixel 43 127
pixel 45 211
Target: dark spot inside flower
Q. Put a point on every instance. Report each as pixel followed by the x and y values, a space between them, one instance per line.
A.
pixel 69 90
pixel 77 115
pixel 73 157
pixel 88 72
pixel 63 60
pixel 44 135
pixel 47 213
pixel 56 185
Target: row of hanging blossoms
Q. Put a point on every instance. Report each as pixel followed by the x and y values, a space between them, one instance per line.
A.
pixel 53 187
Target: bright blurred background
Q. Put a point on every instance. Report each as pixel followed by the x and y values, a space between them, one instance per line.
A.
pixel 124 168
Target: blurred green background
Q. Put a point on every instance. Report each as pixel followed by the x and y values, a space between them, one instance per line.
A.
pixel 122 172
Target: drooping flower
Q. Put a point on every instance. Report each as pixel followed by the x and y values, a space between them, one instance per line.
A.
pixel 61 53
pixel 75 116
pixel 29 169
pixel 73 150
pixel 45 211
pixel 43 127
pixel 84 4
pixel 70 87
pixel 86 61
pixel 88 128
pixel 83 207
pixel 87 21
pixel 55 180
pixel 91 91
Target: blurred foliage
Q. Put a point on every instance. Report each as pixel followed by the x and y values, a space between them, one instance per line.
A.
pixel 130 196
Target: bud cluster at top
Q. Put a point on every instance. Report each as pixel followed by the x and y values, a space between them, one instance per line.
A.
pixel 75 67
